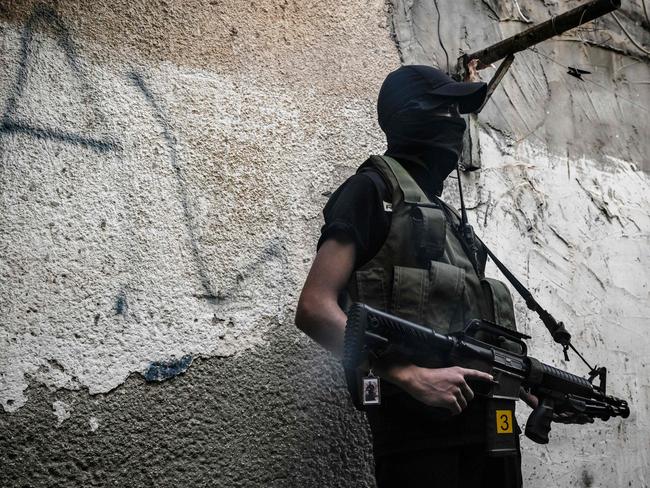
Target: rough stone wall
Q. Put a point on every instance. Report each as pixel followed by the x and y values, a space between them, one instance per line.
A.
pixel 163 166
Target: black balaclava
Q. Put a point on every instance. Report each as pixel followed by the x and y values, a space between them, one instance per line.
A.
pixel 409 112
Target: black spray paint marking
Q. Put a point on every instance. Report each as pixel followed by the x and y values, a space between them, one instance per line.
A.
pixel 121 304
pixel 587 479
pixel 170 139
pixel 9 124
pixel 163 370
pixel 273 250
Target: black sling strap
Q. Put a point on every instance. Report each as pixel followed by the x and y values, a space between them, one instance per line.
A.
pixel 557 329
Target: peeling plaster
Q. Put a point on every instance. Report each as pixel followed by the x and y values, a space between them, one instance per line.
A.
pixel 62 411
pixel 164 370
pixel 152 260
pixel 162 186
pixel 185 236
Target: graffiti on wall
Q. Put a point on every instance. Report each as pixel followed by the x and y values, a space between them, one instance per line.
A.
pixel 170 140
pixel 23 118
pixel 45 16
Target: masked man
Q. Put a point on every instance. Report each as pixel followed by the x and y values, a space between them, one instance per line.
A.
pixel 390 242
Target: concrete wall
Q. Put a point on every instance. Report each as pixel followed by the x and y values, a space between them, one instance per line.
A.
pixel 163 167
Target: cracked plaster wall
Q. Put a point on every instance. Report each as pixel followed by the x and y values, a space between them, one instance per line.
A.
pixel 563 197
pixel 162 171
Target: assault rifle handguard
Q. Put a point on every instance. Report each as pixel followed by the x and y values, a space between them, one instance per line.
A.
pixel 559 392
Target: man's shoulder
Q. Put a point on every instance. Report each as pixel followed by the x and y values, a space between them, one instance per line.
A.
pixel 374 176
pixel 357 211
pixel 365 184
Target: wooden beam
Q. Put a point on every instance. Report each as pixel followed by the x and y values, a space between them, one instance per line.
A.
pixel 540 32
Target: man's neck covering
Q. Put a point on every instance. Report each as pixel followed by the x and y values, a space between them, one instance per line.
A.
pixel 409 107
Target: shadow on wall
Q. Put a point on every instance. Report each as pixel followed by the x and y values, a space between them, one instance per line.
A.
pixel 278 417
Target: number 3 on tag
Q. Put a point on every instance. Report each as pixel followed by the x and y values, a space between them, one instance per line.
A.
pixel 504 422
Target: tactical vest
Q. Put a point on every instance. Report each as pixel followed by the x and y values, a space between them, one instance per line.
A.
pixel 422 272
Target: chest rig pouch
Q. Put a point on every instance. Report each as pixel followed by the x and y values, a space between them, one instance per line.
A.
pixel 427 287
pixel 418 273
pixel 428 221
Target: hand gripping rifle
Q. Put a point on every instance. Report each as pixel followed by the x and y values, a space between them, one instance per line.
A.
pixel 371 331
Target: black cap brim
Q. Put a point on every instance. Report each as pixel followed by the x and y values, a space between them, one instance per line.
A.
pixel 470 95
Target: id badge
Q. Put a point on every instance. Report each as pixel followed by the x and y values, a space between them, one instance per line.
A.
pixel 370 390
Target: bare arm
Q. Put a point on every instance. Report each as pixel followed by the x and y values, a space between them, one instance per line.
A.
pixel 318 314
pixel 320 317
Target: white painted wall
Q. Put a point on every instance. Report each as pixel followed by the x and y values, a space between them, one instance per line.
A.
pixel 563 198
pixel 579 241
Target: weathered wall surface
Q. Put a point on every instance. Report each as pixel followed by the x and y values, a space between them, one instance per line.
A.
pixel 162 169
pixel 163 166
pixel 563 198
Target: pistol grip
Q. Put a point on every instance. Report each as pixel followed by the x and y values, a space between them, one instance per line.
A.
pixel 539 422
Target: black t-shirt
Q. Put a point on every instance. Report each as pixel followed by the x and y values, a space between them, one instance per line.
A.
pixel 355 213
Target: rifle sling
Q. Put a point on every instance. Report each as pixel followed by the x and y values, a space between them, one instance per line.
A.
pixel 557 329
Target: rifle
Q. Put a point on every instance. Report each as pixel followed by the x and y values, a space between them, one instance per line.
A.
pixel 373 332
